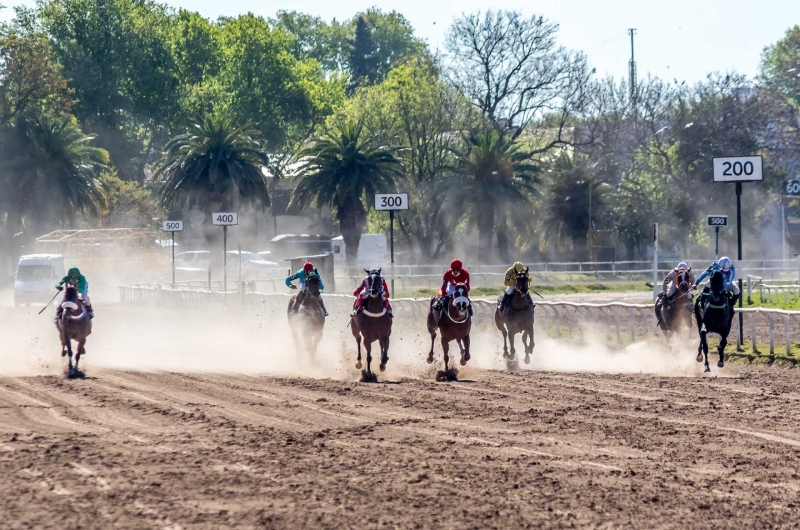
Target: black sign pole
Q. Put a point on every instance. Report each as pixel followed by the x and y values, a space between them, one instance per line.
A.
pixel 225 258
pixel 391 238
pixel 716 246
pixel 173 260
pixel 739 242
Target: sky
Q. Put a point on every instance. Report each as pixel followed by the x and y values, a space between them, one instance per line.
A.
pixel 677 39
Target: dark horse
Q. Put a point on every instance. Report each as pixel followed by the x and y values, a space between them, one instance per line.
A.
pixel 73 323
pixel 309 320
pixel 714 314
pixel 517 317
pixel 454 322
pixel 676 312
pixel 372 323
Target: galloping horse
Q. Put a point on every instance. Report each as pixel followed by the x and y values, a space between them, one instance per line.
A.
pixel 310 317
pixel 714 314
pixel 372 323
pixel 676 312
pixel 517 317
pixel 454 323
pixel 73 324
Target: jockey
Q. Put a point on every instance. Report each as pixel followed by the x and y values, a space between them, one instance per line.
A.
pixel 363 290
pixel 669 286
pixel 725 266
pixel 510 284
pixel 302 275
pixel 78 280
pixel 454 275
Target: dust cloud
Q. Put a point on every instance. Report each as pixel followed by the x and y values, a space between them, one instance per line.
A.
pixel 256 340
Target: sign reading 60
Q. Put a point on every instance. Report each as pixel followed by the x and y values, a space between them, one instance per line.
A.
pixel 792 188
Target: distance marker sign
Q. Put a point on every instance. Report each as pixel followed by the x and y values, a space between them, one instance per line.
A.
pixel 225 219
pixel 391 201
pixel 172 226
pixel 738 169
pixel 717 220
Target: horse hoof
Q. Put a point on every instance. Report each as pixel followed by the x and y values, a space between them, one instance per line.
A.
pixel 721 364
pixel 699 357
pixel 430 359
pixel 358 365
pixel 708 369
pixel 463 361
pixel 527 359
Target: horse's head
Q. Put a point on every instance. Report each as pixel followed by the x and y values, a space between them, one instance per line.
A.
pixel 522 281
pixel 71 294
pixel 717 285
pixel 374 282
pixel 683 281
pixel 460 297
pixel 312 285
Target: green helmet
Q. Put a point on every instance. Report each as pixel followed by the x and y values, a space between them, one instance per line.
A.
pixel 74 271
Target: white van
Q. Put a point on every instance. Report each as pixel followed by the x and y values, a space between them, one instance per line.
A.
pixel 36 278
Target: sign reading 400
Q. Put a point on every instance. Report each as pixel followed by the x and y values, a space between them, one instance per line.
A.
pixel 225 219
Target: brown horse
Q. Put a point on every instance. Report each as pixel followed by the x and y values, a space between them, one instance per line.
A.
pixel 73 323
pixel 372 323
pixel 517 317
pixel 454 322
pixel 309 321
pixel 676 311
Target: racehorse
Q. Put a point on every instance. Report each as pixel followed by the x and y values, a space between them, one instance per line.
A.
pixel 73 324
pixel 309 320
pixel 517 317
pixel 714 314
pixel 676 312
pixel 372 323
pixel 454 322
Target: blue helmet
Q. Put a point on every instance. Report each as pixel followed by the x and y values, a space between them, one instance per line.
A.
pixel 725 263
pixel 374 270
pixel 683 265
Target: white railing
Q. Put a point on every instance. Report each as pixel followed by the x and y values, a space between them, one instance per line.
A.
pixel 622 323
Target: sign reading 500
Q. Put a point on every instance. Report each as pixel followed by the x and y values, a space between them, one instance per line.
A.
pixel 225 219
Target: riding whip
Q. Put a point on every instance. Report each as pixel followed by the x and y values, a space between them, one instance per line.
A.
pixel 48 303
pixel 537 294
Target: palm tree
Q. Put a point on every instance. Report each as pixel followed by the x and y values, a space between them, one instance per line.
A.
pixel 342 170
pixel 498 176
pixel 213 165
pixel 57 170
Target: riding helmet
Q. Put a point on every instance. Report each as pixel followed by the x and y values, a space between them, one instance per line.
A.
pixel 683 265
pixel 725 263
pixel 456 264
pixel 519 267
pixel 308 266
pixel 74 271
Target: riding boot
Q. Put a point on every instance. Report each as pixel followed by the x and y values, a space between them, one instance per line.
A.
pixel 734 299
pixel 530 300
pixel 469 310
pixel 89 310
pixel 502 304
pixel 322 305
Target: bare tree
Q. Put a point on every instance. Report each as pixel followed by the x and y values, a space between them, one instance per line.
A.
pixel 511 68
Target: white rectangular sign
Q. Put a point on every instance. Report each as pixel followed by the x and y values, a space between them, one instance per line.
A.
pixel 172 226
pixel 391 201
pixel 225 219
pixel 738 169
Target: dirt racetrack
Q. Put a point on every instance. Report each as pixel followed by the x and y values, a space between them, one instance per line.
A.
pixel 166 450
pixel 206 419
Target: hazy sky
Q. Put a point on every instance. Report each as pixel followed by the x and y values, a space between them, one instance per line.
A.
pixel 680 39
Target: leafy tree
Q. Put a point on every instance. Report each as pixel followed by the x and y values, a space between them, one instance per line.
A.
pixel 498 176
pixel 343 169
pixel 392 37
pixel 129 204
pixel 780 66
pixel 215 164
pixel 313 38
pixel 364 58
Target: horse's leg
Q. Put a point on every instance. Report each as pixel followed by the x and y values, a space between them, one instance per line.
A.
pixel 368 347
pixel 81 351
pixel 721 350
pixel 527 334
pixel 68 344
pixel 460 346
pixel 445 350
pixel 384 342
pixel 358 343
pixel 498 321
pixel 433 341
pixel 704 346
pixel 465 353
pixel 511 337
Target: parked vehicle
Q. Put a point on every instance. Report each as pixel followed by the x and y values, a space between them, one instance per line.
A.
pixel 253 266
pixel 36 276
pixel 372 252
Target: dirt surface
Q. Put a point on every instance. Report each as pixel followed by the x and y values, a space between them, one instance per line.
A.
pixel 126 449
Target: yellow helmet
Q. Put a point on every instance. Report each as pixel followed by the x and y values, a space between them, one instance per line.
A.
pixel 519 267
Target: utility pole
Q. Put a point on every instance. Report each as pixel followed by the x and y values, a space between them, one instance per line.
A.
pixel 632 70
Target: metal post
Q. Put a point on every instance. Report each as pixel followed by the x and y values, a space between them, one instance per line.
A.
pixel 241 288
pixel 173 260
pixel 739 243
pixel 655 261
pixel 391 246
pixel 783 229
pixel 716 246
pixel 225 259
